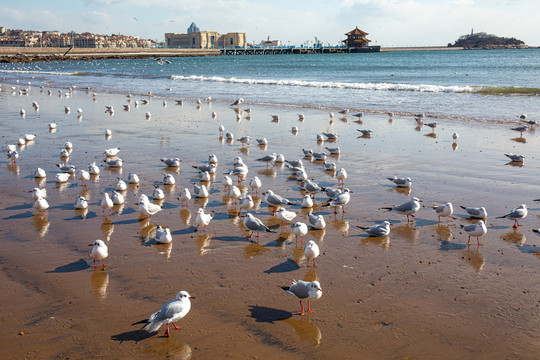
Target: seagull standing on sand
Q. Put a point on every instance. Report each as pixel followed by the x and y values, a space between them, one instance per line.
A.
pixel 377 230
pixel 311 251
pixel 41 205
pixel 203 219
pixel 316 221
pixel 401 182
pixel 276 200
pixel 299 228
pixel 516 214
pixel 172 311
pixel 99 251
pixel 340 200
pixel 341 176
pixel 285 216
pixel 245 203
pixel 444 210
pixel 254 224
pixel 185 196
pixel 478 229
pixel 477 213
pixel 81 202
pixel 39 193
pixel 304 290
pixel 255 184
pixel 147 208
pixel 84 176
pixel 163 235
pixel 200 191
pixel 408 208
pixel 106 204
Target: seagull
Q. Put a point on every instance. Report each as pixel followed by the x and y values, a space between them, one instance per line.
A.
pixel 13 156
pixel 234 193
pixel 432 125
pixel 295 163
pixel 210 168
pixel 61 177
pixel 244 140
pixel 111 152
pixel 331 192
pixel 179 102
pixel 255 184
pixel 163 235
pixel 408 208
pixel 401 182
pixel 67 168
pixel 120 185
pixel 147 208
pixel 477 213
pixel 344 111
pixel 168 179
pixel 262 141
pixel 304 290
pixel 330 166
pixel 254 224
pixel 319 156
pixel 84 176
pixel 320 137
pixel 245 202
pixel 311 187
pixel 365 132
pixel 316 221
pixel 311 251
pixel 377 230
pixel 172 311
pixel 158 194
pixel 214 114
pixel 516 214
pixel 40 173
pixel 240 172
pixel 275 200
pixel 285 216
pixel 118 198
pixel 200 191
pixel 41 204
pixel 81 202
pixel 307 201
pixel 444 210
pixel 237 102
pixel 106 203
pixel 515 158
pixel 359 115
pixel 268 159
pixel 333 151
pixel 133 178
pixel 341 176
pixel 307 153
pixel 212 159
pixel 275 117
pixel 64 153
pixel 52 126
pixel 301 117
pixel 114 163
pixel 68 145
pixel 98 252
pixel 340 200
pixel 226 182
pixel 331 135
pixel 171 162
pixel 520 129
pixel 203 219
pixel 108 132
pixel 455 136
pixel 185 196
pixel 299 228
pixel 478 229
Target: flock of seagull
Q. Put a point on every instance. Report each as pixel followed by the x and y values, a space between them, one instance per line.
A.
pixel 338 198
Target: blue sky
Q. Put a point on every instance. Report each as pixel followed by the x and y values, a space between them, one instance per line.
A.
pixel 389 22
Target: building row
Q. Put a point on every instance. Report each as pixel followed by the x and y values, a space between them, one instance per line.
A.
pixel 25 38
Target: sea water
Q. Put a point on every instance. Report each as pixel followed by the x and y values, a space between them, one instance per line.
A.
pixel 496 85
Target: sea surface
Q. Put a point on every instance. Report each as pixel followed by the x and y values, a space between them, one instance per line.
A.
pixel 493 85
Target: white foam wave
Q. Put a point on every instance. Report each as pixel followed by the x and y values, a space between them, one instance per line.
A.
pixel 36 72
pixel 329 84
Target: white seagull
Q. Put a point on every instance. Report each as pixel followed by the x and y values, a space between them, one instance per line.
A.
pixel 99 251
pixel 478 229
pixel 304 290
pixel 311 251
pixel 516 214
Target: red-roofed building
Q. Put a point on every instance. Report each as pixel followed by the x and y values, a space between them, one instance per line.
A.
pixel 356 39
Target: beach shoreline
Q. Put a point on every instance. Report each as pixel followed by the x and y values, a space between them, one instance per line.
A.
pixel 421 292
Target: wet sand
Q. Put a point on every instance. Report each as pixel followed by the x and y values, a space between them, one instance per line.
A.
pixel 419 293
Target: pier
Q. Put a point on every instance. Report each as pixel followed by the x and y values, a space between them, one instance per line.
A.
pixel 297 50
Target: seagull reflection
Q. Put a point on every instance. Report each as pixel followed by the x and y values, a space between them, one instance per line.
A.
pixel 454 146
pixel 185 215
pixel 81 213
pixel 13 168
pixel 305 329
pixel 401 190
pixel 340 225
pixel 298 255
pixel 254 249
pixel 311 275
pixel 171 348
pixel 515 163
pixel 444 232
pixel 406 232
pixel 100 281
pixel 268 172
pixel 317 234
pixel 514 237
pixel 203 241
pixel 164 249
pixel 383 241
pixel 118 209
pixel 40 182
pixel 474 258
pixel 519 140
pixel 201 202
pixel 41 223
pixel 107 228
pixel 147 232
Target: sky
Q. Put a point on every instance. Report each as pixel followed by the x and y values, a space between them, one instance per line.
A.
pixel 294 22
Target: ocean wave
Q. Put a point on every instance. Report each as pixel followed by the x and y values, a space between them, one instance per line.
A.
pixel 330 84
pixel 37 72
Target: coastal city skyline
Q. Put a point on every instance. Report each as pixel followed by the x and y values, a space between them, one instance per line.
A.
pixel 389 22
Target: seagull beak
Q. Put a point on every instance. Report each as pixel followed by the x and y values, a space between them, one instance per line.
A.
pixel 91 245
pixel 319 289
pixel 192 297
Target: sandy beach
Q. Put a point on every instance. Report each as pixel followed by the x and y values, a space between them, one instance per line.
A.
pixel 420 293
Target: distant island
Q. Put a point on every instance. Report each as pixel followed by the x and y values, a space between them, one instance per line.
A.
pixel 482 40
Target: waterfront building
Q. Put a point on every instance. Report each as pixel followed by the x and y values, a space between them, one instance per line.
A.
pixel 196 39
pixel 356 38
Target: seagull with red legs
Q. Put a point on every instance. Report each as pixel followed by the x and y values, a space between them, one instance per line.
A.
pixel 304 290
